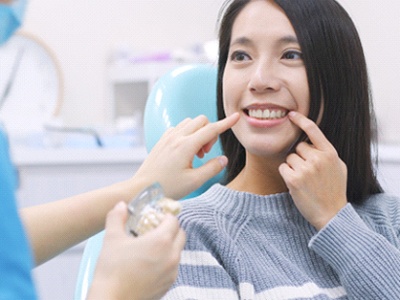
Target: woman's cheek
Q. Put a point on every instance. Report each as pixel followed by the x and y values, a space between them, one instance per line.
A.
pixel 227 106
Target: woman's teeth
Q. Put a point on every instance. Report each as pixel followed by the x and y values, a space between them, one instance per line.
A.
pixel 267 114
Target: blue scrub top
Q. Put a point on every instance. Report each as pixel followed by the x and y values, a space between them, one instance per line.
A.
pixel 15 255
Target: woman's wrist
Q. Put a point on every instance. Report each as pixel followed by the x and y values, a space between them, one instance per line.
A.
pixel 135 185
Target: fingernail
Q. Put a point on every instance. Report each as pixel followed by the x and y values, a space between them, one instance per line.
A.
pixel 292 113
pixel 223 160
pixel 120 205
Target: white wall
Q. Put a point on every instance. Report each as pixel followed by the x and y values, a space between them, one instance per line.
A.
pixel 82 33
pixel 378 23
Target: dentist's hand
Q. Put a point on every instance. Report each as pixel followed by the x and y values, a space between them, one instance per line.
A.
pixel 170 161
pixel 315 175
pixel 137 268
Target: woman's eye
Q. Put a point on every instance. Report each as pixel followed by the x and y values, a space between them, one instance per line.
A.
pixel 292 55
pixel 239 56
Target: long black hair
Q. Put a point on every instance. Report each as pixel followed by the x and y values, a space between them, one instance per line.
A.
pixel 337 73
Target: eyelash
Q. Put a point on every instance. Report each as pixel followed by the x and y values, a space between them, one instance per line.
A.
pixel 292 52
pixel 236 54
pixel 287 55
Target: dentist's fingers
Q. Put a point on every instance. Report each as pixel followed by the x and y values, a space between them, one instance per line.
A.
pixel 148 264
pixel 312 130
pixel 169 229
pixel 116 218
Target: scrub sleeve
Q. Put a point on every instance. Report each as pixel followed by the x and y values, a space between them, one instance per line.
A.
pixel 16 259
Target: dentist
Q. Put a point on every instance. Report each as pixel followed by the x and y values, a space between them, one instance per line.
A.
pixel 34 235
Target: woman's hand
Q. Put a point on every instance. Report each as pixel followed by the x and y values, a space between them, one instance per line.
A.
pixel 170 161
pixel 137 268
pixel 315 175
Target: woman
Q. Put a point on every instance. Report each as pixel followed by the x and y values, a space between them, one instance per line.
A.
pixel 302 215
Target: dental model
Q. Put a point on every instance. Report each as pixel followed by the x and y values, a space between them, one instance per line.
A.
pixel 148 209
pixel 152 216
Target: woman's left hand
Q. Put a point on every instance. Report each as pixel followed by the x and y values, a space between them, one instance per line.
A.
pixel 315 175
pixel 170 162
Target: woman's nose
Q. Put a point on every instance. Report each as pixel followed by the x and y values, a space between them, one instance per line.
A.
pixel 264 78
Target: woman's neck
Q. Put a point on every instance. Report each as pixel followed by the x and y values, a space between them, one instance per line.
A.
pixel 259 176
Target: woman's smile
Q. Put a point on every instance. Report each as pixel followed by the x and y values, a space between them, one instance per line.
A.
pixel 265 115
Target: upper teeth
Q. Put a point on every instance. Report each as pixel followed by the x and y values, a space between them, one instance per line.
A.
pixel 267 114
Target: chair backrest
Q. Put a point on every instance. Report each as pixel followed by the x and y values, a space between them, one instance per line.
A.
pixel 186 91
pixel 88 265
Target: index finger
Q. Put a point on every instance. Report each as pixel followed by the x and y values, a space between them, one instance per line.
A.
pixel 312 130
pixel 211 131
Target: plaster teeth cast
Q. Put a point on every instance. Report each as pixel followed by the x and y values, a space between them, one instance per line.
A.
pixel 267 114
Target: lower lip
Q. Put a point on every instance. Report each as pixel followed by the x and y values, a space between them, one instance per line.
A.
pixel 265 123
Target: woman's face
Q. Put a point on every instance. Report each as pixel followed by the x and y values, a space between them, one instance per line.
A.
pixel 264 79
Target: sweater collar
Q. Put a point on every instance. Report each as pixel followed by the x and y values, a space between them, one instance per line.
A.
pixel 227 200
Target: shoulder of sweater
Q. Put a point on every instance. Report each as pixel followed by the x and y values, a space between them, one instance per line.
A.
pixel 199 209
pixel 207 201
pixel 203 201
pixel 381 201
pixel 381 206
pixel 197 216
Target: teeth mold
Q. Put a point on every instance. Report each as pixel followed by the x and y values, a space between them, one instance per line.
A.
pixel 147 209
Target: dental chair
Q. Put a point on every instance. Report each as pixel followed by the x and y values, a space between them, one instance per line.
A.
pixel 186 91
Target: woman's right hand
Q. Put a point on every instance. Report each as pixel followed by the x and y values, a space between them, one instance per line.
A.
pixel 315 175
pixel 170 161
pixel 137 268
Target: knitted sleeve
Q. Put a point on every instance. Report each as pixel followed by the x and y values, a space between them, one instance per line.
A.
pixel 366 257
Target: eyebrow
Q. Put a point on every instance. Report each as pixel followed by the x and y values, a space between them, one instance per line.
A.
pixel 288 39
pixel 244 41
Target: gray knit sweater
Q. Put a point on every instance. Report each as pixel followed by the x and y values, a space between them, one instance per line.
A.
pixel 246 246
